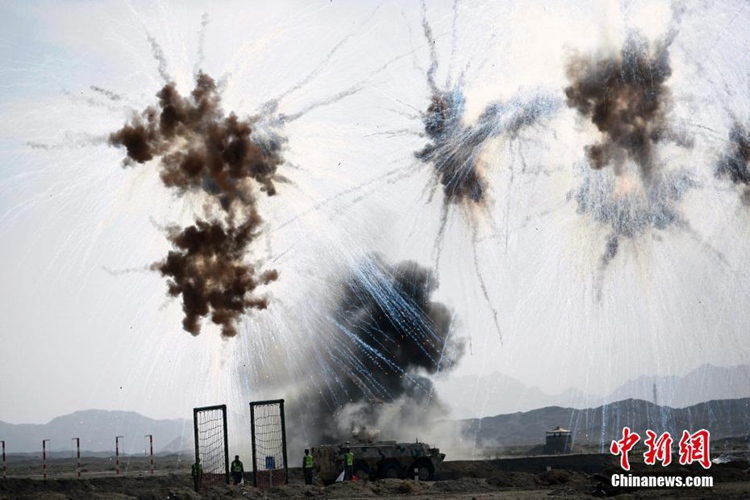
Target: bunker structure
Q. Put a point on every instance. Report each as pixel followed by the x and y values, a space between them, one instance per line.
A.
pixel 558 441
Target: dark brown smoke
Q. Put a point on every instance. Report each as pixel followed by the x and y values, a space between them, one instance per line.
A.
pixel 208 271
pixel 734 163
pixel 627 98
pixel 198 147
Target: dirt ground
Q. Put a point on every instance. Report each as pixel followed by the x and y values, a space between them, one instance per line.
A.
pixel 459 480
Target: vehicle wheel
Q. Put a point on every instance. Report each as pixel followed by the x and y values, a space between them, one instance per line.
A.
pixel 425 470
pixel 361 470
pixel 389 470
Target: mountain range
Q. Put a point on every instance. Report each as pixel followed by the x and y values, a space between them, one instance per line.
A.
pixel 496 393
pixel 728 418
pixel 511 413
pixel 97 430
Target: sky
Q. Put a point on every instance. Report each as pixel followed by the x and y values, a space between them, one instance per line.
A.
pixel 531 280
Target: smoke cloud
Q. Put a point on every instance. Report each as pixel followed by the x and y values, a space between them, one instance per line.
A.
pixel 455 148
pixel 197 147
pixel 208 271
pixel 389 337
pixel 734 163
pixel 626 97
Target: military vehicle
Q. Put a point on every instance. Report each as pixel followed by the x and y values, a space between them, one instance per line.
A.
pixel 377 459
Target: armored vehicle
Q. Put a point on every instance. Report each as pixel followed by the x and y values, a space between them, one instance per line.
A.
pixel 378 459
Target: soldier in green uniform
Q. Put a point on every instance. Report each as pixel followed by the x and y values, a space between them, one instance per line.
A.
pixel 348 465
pixel 237 470
pixel 307 467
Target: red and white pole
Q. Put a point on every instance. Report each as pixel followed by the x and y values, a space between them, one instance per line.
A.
pixel 117 453
pixel 44 458
pixel 78 455
pixel 151 447
pixel 3 459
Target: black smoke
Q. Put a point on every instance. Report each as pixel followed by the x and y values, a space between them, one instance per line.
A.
pixel 389 338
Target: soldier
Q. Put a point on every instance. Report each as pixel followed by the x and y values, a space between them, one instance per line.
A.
pixel 348 465
pixel 197 475
pixel 307 467
pixel 237 470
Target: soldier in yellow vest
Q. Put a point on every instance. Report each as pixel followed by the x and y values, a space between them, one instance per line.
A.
pixel 237 469
pixel 348 465
pixel 307 467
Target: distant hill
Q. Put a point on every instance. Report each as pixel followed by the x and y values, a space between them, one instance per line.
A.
pixel 705 383
pixel 97 430
pixel 496 393
pixel 472 396
pixel 594 426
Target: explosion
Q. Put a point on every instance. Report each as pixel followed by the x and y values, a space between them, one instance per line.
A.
pixel 197 147
pixel 207 270
pixel 388 337
pixel 627 98
pixel 456 148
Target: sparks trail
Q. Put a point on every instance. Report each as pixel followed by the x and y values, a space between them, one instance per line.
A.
pixel 734 163
pixel 130 270
pixel 389 177
pixel 90 101
pixel 205 21
pixel 208 272
pixel 482 285
pixel 316 71
pixel 112 96
pixel 455 150
pixel 158 54
pixel 353 89
pixel 389 336
pixel 270 107
pixel 73 140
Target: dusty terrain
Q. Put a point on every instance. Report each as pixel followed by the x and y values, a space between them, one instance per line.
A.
pixel 464 480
